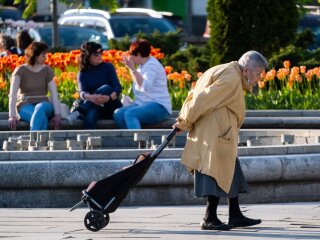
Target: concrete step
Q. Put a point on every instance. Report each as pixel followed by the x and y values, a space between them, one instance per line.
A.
pixel 265 119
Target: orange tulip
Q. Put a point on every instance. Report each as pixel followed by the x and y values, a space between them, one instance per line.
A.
pixel 261 84
pixel 269 76
pixel 168 69
pixel 286 64
pixel 187 76
pixel 302 69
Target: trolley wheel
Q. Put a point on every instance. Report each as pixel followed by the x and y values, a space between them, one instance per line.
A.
pixel 107 218
pixel 94 221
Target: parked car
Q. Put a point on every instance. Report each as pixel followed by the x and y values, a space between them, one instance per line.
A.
pixel 41 18
pixel 10 13
pixel 71 37
pixel 119 24
pixel 311 21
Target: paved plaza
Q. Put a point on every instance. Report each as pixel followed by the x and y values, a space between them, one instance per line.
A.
pixel 279 221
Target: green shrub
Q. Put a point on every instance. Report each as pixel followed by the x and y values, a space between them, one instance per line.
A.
pixel 241 25
pixel 169 43
pixel 193 59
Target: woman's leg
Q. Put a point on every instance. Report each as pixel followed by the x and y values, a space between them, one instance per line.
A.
pixel 234 208
pixel 211 210
pixel 37 115
pixel 91 117
pixel 118 116
pixel 211 220
pixel 42 113
pixel 26 112
pixel 148 113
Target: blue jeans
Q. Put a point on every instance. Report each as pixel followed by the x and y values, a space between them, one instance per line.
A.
pixel 92 112
pixel 37 115
pixel 132 116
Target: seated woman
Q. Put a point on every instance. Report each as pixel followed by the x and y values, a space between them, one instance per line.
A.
pixel 23 40
pixel 6 44
pixel 152 102
pixel 29 88
pixel 99 87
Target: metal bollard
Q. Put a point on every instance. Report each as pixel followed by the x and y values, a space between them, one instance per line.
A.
pixel 94 142
pixel 24 144
pixel 83 138
pixel 287 139
pixel 141 138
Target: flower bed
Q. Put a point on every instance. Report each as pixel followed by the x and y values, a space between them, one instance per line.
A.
pixel 65 66
pixel 285 88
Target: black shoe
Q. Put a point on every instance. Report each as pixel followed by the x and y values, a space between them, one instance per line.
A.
pixel 204 225
pixel 243 222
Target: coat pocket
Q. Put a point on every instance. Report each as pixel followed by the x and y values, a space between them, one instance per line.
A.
pixel 227 136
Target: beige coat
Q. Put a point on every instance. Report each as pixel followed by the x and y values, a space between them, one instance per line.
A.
pixel 213 113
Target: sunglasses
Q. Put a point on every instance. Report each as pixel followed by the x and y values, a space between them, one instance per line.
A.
pixel 97 53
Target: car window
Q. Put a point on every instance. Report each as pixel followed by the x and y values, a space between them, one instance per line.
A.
pixel 72 38
pixel 96 24
pixel 122 26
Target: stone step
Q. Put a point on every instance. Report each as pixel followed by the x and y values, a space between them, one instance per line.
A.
pixel 266 119
pixel 249 123
pixel 249 113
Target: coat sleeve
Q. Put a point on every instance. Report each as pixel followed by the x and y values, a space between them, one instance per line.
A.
pixel 207 98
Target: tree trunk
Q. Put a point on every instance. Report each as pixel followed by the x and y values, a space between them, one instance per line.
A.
pixel 55 30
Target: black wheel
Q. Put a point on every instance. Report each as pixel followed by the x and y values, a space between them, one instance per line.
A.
pixel 107 218
pixel 94 221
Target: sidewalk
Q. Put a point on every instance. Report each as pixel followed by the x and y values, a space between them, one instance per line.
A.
pixel 279 221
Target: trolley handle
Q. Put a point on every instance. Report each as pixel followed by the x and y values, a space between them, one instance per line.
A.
pixel 164 143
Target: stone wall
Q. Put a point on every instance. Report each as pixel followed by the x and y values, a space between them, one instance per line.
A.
pixel 56 178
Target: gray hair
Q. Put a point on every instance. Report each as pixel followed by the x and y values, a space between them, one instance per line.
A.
pixel 253 59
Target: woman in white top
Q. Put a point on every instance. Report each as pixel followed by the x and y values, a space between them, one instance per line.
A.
pixel 30 84
pixel 152 102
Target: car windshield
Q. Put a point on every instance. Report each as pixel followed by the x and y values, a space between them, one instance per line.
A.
pixel 312 22
pixel 72 37
pixel 126 25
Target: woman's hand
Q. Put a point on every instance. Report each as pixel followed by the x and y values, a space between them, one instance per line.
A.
pixel 12 122
pixel 126 60
pixel 113 95
pixel 56 120
pixel 102 99
pixel 176 126
pixel 98 99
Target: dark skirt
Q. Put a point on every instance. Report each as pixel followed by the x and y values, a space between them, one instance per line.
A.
pixel 205 185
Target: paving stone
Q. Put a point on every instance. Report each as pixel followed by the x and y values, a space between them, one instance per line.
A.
pixel 285 221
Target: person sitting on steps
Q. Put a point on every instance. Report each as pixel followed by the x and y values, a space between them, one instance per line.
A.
pixel 30 84
pixel 99 87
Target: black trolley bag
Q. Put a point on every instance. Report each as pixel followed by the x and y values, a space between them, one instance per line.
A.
pixel 104 196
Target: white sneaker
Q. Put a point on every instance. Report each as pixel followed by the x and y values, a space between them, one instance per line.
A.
pixel 72 117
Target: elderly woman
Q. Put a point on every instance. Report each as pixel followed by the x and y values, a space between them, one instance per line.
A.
pixel 29 88
pixel 152 102
pixel 99 87
pixel 213 113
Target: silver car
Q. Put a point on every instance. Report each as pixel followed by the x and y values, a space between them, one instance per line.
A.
pixel 123 22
